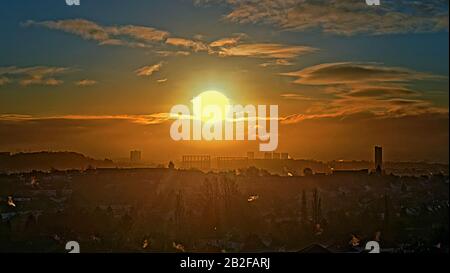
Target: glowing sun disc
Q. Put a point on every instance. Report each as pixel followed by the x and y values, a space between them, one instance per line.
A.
pixel 213 98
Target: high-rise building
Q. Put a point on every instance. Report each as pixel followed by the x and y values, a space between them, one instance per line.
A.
pixel 135 156
pixel 378 159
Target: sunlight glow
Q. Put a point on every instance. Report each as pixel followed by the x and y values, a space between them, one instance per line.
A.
pixel 213 98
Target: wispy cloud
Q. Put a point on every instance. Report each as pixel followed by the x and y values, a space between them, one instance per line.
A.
pixel 294 96
pixel 142 33
pixel 277 62
pixel 148 70
pixel 166 53
pixel 196 46
pixel 4 80
pixel 343 17
pixel 151 119
pixel 86 29
pixel 85 83
pixel 364 88
pixel 127 35
pixel 35 75
pixel 228 41
pixel 161 41
pixel 355 73
pixel 276 51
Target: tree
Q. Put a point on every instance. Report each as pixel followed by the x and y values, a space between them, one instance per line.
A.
pixel 316 207
pixel 229 193
pixel 307 172
pixel 387 216
pixel 304 211
pixel 171 165
pixel 179 213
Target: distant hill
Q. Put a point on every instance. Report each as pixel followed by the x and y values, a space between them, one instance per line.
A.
pixel 45 161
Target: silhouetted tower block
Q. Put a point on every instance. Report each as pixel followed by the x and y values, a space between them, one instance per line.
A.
pixel 378 159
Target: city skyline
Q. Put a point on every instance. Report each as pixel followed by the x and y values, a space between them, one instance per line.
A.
pixel 101 78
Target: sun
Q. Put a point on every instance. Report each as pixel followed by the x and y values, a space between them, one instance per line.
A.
pixel 213 98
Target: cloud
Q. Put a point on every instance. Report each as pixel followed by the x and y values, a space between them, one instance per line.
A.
pixel 117 42
pixel 166 53
pixel 263 50
pixel 277 62
pixel 145 37
pixel 36 75
pixel 86 29
pixel 382 92
pixel 355 88
pixel 369 109
pixel 294 96
pixel 196 46
pixel 146 34
pixel 161 81
pixel 4 81
pixel 39 81
pixel 85 83
pixel 276 54
pixel 228 41
pixel 127 35
pixel 151 119
pixel 353 73
pixel 148 70
pixel 342 17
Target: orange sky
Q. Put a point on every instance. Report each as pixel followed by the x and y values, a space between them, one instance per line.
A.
pixel 101 80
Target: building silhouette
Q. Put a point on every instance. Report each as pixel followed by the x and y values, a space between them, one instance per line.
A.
pixel 232 163
pixel 200 162
pixel 4 155
pixel 378 159
pixel 135 156
pixel 276 156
